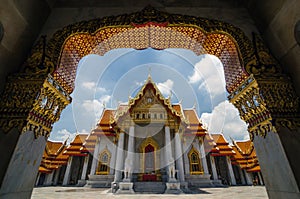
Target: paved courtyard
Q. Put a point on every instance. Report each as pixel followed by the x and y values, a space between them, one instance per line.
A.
pixel 238 192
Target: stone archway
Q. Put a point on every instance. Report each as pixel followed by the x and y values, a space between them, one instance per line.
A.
pixel 254 80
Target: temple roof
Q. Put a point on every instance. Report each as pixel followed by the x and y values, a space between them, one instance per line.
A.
pixel 245 156
pixel 74 149
pixel 53 156
pixel 195 125
pixel 149 86
pixel 112 117
pixel 222 147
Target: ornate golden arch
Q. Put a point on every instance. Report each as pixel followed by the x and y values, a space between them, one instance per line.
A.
pixel 251 73
pixel 148 28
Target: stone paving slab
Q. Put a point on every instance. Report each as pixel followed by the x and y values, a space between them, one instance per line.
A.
pixel 236 192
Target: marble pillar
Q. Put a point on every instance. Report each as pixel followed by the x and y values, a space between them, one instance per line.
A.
pixel 20 175
pixel 203 158
pixel 85 166
pixel 242 176
pixel 178 157
pixel 213 167
pixel 248 178
pixel 230 169
pixel 261 182
pixel 120 158
pixel 49 177
pixel 68 172
pixel 279 179
pixel 95 157
pixel 37 179
pixel 129 162
pixel 56 176
pixel 168 153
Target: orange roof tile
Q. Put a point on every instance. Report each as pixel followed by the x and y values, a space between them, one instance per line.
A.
pixel 44 170
pixel 74 148
pixel 254 169
pixel 245 156
pixel 195 126
pixel 222 146
pixel 177 107
pixel 52 148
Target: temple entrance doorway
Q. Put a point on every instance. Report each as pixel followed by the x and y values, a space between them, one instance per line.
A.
pixel 149 159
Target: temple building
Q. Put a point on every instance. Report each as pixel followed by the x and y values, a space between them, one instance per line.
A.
pixel 149 144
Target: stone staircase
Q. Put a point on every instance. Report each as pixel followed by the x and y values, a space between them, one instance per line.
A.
pixel 149 187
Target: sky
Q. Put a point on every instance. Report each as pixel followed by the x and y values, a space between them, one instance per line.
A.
pixel 194 81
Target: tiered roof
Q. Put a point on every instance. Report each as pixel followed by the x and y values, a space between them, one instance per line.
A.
pixel 195 125
pixel 245 156
pixel 57 154
pixel 222 147
pixel 53 157
pixel 75 148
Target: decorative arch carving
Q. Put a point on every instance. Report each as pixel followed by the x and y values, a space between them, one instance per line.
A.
pixel 149 28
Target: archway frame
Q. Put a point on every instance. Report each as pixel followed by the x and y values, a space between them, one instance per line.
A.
pixel 278 107
pixel 255 61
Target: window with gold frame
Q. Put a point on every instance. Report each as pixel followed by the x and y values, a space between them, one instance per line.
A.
pixel 195 163
pixel 103 163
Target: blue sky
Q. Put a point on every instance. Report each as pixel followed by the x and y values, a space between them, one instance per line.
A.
pixel 105 81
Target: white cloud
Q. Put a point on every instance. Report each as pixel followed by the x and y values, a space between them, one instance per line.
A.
pixel 65 134
pixel 166 87
pixel 225 118
pixel 84 131
pixel 93 108
pixel 209 73
pixel 92 86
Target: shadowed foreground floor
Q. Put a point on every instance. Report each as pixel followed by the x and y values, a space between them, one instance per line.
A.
pixel 238 192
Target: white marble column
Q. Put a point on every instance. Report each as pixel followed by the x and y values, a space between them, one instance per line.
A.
pixel 56 176
pixel 120 158
pixel 85 166
pixel 48 180
pixel 248 178
pixel 178 157
pixel 213 167
pixel 130 155
pixel 95 157
pixel 242 176
pixel 168 152
pixel 231 173
pixel 203 158
pixel 37 179
pixel 67 173
pixel 260 179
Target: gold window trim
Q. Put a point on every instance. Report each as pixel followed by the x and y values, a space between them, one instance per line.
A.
pixel 107 164
pixel 191 152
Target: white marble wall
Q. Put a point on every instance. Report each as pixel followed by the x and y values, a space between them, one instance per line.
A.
pixel 107 144
pixel 21 174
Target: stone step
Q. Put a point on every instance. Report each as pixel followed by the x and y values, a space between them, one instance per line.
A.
pixel 149 187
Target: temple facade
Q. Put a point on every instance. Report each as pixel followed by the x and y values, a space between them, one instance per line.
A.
pixel 147 144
